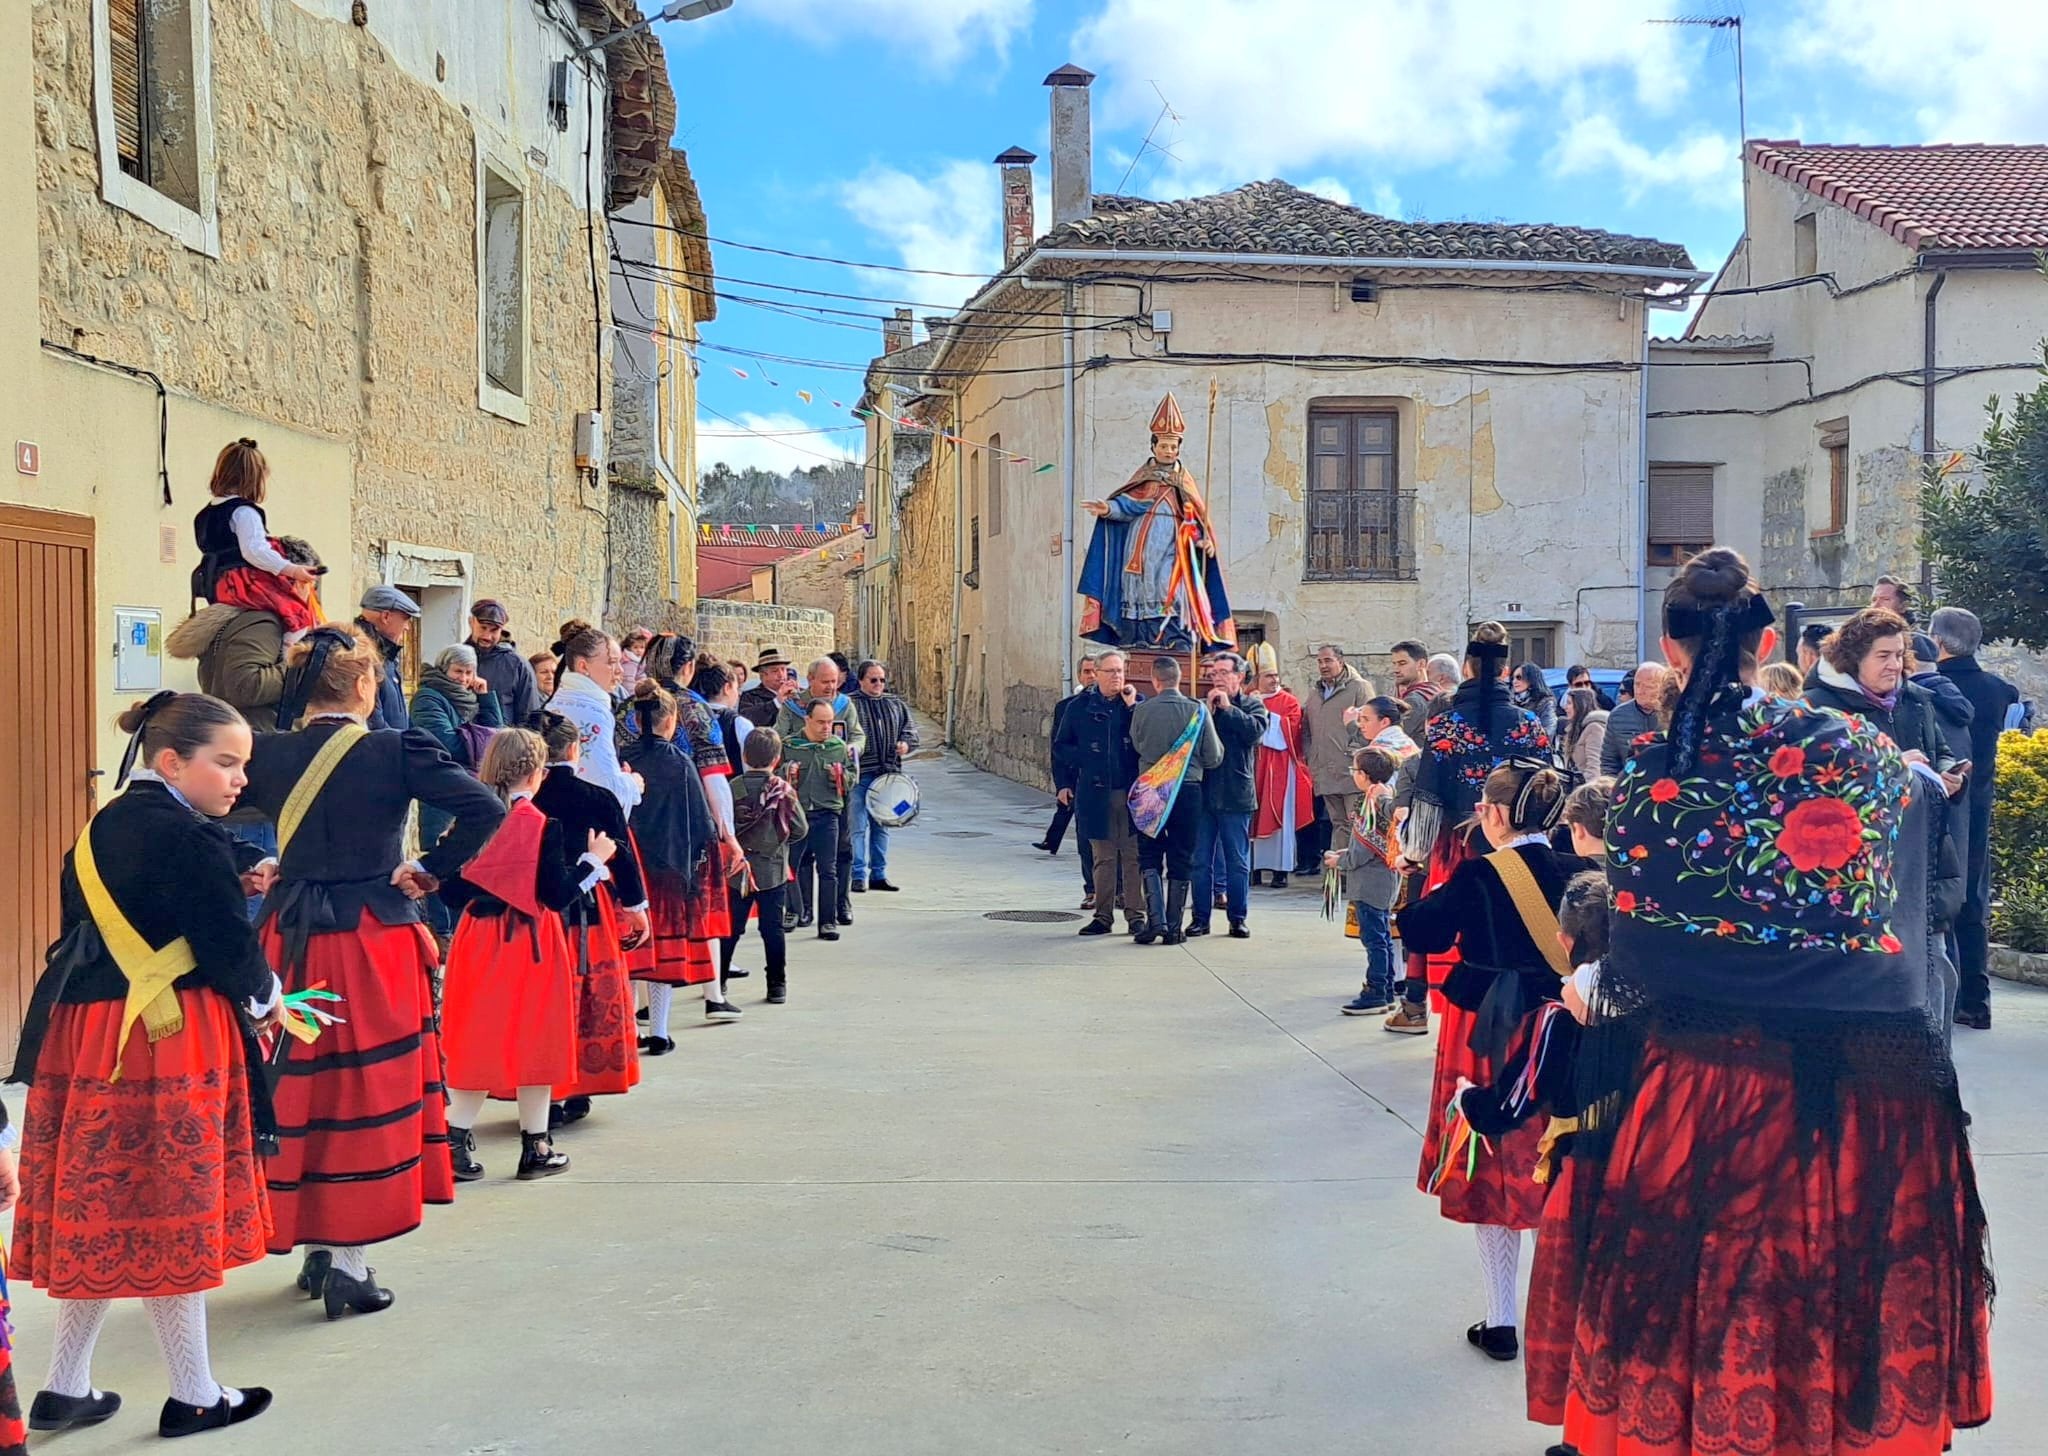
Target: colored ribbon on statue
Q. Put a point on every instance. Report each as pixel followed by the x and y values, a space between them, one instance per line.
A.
pixel 1188 579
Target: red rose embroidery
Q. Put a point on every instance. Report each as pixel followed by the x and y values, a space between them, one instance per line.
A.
pixel 1663 791
pixel 1625 902
pixel 1821 834
pixel 1788 762
pixel 1890 943
pixel 1726 927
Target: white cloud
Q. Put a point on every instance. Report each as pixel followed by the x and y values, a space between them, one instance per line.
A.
pixel 1265 87
pixel 1975 71
pixel 948 220
pixel 1385 200
pixel 1328 187
pixel 1706 163
pixel 776 446
pixel 944 30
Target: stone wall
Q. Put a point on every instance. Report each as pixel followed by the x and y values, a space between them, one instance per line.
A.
pixel 826 577
pixel 640 589
pixel 923 606
pixel 344 298
pixel 740 630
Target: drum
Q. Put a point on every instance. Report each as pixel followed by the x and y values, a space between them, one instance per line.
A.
pixel 893 800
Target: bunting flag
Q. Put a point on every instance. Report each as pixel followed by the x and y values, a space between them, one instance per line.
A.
pixel 901 422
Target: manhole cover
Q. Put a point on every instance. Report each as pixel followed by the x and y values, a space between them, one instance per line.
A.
pixel 1032 917
pixel 961 834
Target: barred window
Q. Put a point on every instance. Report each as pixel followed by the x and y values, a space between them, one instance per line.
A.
pixel 1361 524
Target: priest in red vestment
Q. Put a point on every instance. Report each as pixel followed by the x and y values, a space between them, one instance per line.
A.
pixel 1287 800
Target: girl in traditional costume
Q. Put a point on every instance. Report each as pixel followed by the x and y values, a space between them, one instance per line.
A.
pixel 1463 744
pixel 1785 1251
pixel 1497 911
pixel 603 922
pixel 676 837
pixel 139 1175
pixel 583 695
pixel 508 1006
pixel 362 1127
pixel 240 563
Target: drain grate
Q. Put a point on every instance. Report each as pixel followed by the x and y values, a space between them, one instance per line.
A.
pixel 1032 917
pixel 961 834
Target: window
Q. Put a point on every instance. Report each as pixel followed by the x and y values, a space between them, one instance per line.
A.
pixel 1532 642
pixel 1805 246
pixel 1361 525
pixel 995 485
pixel 973 577
pixel 1834 444
pixel 1681 520
pixel 153 107
pixel 501 288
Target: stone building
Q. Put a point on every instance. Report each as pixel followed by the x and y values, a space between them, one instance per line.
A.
pixel 661 293
pixel 826 578
pixel 365 235
pixel 1899 288
pixel 1416 426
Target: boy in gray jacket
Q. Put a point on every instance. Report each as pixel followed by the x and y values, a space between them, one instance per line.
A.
pixel 1370 880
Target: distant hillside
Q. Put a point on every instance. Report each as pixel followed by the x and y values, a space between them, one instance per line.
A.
pixel 821 493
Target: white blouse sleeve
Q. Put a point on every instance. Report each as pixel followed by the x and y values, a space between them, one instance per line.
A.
pixel 249 535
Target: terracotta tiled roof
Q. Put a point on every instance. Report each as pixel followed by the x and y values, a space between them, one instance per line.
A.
pixel 790 538
pixel 1965 195
pixel 1277 217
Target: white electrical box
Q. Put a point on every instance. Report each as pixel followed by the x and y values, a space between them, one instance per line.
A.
pixel 1162 320
pixel 138 649
pixel 589 440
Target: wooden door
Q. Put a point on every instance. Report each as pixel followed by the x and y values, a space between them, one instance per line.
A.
pixel 46 736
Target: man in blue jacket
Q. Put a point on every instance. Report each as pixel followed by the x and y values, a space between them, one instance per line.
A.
pixel 1957 635
pixel 387 615
pixel 1230 796
pixel 1092 752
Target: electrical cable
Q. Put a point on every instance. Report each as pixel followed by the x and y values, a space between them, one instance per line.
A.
pixel 163 405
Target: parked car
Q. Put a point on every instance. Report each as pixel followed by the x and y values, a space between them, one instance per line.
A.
pixel 1607 679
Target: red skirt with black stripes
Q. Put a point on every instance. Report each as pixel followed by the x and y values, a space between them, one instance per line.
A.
pixel 145 1186
pixel 361 1113
pixel 689 916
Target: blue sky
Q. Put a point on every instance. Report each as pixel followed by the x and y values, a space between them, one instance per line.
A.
pixel 863 130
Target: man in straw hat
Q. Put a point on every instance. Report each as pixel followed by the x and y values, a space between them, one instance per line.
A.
pixel 763 704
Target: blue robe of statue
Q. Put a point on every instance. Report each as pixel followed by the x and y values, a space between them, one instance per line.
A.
pixel 1127 598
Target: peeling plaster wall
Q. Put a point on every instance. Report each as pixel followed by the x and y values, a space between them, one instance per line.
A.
pixel 1763 437
pixel 1525 485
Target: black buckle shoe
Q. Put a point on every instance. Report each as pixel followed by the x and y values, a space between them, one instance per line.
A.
pixel 1497 1342
pixel 53 1412
pixel 538 1158
pixel 462 1155
pixel 186 1420
pixel 656 1046
pixel 313 1272
pixel 345 1293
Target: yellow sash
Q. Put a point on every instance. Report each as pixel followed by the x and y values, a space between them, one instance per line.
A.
pixel 1538 918
pixel 149 972
pixel 308 788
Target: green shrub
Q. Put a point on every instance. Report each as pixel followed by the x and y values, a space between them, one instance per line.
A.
pixel 2020 917
pixel 2019 809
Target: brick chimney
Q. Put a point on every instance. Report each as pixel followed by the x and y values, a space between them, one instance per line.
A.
pixel 1020 226
pixel 896 331
pixel 1073 166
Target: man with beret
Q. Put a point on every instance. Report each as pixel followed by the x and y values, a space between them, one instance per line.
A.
pixel 500 663
pixel 387 614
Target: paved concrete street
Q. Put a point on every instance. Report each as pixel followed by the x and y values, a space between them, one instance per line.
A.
pixel 981 1188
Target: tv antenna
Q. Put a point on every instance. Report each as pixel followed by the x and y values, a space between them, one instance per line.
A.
pixel 1730 25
